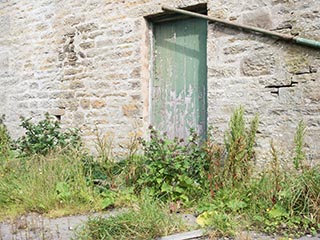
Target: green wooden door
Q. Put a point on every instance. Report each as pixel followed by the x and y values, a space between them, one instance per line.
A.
pixel 179 87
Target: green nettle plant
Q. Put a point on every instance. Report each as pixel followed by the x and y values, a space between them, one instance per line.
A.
pixel 174 169
pixel 45 136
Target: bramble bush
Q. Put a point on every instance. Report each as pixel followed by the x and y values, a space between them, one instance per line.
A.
pixel 174 169
pixel 45 136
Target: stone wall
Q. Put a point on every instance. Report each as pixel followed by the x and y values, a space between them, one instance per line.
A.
pixel 87 62
pixel 277 80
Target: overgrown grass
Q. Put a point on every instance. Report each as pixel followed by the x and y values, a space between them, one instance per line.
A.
pixel 148 220
pixel 277 200
pixel 45 184
pixel 45 172
pixel 292 210
pixel 218 181
pixel 215 181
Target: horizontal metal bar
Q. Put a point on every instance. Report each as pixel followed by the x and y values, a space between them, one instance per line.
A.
pixel 307 42
pixel 285 37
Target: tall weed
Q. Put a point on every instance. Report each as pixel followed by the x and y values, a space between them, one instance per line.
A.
pixel 239 142
pixel 300 155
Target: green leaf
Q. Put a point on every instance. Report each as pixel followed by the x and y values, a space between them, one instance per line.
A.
pixel 107 202
pixel 205 218
pixel 159 180
pixel 179 189
pixel 166 187
pixel 236 205
pixel 277 212
pixel 63 191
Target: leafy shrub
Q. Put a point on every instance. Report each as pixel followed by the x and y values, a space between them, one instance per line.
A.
pixel 174 169
pixel 177 170
pixel 292 210
pixel 300 198
pixel 45 136
pixel 223 223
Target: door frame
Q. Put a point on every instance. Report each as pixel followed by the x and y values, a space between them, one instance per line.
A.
pixel 150 40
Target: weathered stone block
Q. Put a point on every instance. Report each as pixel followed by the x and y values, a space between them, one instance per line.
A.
pixel 222 72
pixel 297 62
pixel 129 110
pixel 74 20
pixel 93 35
pixel 4 25
pixel 76 85
pixel 72 71
pixel 236 49
pixel 87 27
pixel 136 73
pixel 258 64
pixel 258 18
pixel 66 95
pixel 104 43
pixel 85 103
pixel 312 93
pixel 4 62
pixel 57 112
pixel 221 13
pixel 86 45
pixel 97 104
pixel 78 118
pixel 72 105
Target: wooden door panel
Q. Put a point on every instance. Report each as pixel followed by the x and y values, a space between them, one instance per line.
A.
pixel 179 85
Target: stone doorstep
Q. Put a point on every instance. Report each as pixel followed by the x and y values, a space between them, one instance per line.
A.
pixel 196 234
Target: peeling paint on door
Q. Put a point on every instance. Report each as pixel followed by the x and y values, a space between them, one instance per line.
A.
pixel 179 88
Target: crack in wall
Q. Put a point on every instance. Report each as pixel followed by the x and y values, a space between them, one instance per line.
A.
pixel 277 87
pixel 292 83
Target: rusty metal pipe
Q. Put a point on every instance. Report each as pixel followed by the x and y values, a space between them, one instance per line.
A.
pixel 285 37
